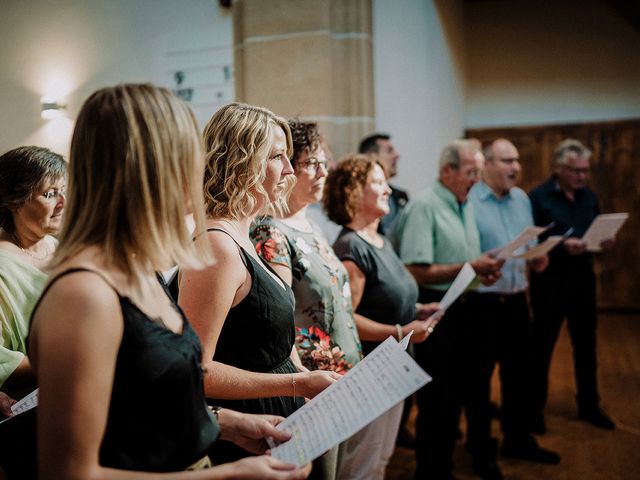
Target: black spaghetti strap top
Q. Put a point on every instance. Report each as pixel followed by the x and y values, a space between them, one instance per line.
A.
pixel 257 335
pixel 158 418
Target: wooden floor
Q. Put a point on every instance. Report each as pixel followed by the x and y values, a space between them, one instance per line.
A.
pixel 587 453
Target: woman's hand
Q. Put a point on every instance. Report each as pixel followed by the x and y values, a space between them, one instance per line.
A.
pixel 265 468
pixel 425 310
pixel 5 405
pixel 250 431
pixel 309 384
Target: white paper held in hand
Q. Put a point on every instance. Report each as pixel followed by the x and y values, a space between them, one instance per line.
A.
pixel 604 227
pixel 383 379
pixel 458 286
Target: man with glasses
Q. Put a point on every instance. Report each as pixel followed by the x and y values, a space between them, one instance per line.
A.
pixel 567 288
pixel 437 234
pixel 502 327
pixel 380 145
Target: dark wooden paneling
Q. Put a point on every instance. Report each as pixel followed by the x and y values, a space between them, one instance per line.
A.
pixel 615 176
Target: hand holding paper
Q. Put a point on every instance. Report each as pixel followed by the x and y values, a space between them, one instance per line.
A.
pixel 383 379
pixel 604 227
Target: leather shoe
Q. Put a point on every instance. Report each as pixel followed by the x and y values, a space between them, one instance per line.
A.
pixel 487 470
pixel 528 449
pixel 596 417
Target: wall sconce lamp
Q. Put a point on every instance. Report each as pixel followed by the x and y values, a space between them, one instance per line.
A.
pixel 51 108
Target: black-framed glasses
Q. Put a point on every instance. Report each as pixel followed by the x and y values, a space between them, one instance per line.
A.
pixel 312 164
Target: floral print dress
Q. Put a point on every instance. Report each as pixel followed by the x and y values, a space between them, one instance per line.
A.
pixel 326 335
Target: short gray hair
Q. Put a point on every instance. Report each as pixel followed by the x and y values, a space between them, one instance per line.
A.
pixel 450 154
pixel 567 146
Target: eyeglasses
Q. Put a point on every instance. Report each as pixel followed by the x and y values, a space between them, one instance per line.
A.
pixel 576 171
pixel 54 194
pixel 312 164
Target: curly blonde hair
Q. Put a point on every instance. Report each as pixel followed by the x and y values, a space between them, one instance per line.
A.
pixel 345 184
pixel 237 143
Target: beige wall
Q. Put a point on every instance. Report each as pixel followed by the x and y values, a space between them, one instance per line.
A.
pixel 310 59
pixel 70 48
pixel 544 61
pixel 419 58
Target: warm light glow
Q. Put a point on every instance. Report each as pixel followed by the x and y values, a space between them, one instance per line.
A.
pixel 51 108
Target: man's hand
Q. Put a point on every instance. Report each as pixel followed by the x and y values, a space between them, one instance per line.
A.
pixel 575 246
pixel 250 431
pixel 539 264
pixel 485 265
pixel 608 243
pixel 490 278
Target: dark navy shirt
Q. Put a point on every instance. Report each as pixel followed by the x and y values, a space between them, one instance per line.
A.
pixel 550 204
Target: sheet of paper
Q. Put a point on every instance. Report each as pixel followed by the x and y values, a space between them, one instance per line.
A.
pixel 526 236
pixel 404 343
pixel 27 403
pixel 603 227
pixel 458 286
pixel 546 246
pixel 383 379
pixel 542 248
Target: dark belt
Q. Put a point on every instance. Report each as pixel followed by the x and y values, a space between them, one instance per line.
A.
pixel 503 297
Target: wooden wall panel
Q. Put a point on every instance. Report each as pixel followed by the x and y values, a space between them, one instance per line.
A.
pixel 615 177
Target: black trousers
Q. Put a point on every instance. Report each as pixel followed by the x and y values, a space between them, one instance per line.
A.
pixel 449 355
pixel 509 329
pixel 553 300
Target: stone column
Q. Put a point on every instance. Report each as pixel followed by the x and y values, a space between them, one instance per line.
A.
pixel 311 59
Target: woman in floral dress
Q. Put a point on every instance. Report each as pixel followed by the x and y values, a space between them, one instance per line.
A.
pixel 295 247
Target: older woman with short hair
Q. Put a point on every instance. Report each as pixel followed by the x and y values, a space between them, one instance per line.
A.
pixel 383 292
pixel 32 197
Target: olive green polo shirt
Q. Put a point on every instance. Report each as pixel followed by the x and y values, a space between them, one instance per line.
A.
pixel 436 229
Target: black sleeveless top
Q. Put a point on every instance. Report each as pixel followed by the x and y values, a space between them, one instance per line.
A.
pixel 158 419
pixel 258 335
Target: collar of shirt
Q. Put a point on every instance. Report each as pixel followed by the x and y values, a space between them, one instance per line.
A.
pixel 448 198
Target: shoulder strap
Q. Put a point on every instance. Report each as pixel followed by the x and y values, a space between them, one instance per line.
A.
pixel 64 274
pixel 243 254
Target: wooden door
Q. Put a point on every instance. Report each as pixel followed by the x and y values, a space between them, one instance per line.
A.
pixel 615 177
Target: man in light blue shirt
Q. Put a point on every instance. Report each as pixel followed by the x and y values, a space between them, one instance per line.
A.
pixel 502 211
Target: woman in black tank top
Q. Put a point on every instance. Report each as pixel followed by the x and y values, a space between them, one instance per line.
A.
pixel 242 311
pixel 119 367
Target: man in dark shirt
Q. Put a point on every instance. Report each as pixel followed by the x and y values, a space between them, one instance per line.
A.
pixel 380 144
pixel 567 288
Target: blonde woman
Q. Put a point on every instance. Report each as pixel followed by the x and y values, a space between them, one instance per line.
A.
pixel 242 310
pixel 119 367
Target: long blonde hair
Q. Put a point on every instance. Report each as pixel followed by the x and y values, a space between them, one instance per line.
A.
pixel 237 142
pixel 135 172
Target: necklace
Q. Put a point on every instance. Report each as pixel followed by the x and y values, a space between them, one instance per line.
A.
pixel 28 252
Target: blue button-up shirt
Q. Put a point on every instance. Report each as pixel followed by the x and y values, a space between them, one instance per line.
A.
pixel 499 221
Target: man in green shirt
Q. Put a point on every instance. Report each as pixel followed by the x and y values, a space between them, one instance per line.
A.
pixel 436 235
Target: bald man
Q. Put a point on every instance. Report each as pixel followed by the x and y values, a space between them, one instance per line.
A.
pixel 503 325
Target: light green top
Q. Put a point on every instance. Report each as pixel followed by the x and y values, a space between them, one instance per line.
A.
pixel 436 229
pixel 20 286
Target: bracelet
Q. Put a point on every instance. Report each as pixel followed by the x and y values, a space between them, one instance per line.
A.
pixel 399 332
pixel 216 412
pixel 293 383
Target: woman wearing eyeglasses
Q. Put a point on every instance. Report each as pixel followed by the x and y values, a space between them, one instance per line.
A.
pixel 296 248
pixel 32 186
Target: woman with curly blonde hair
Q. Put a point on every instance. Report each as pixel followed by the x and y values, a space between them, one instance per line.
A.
pixel 242 310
